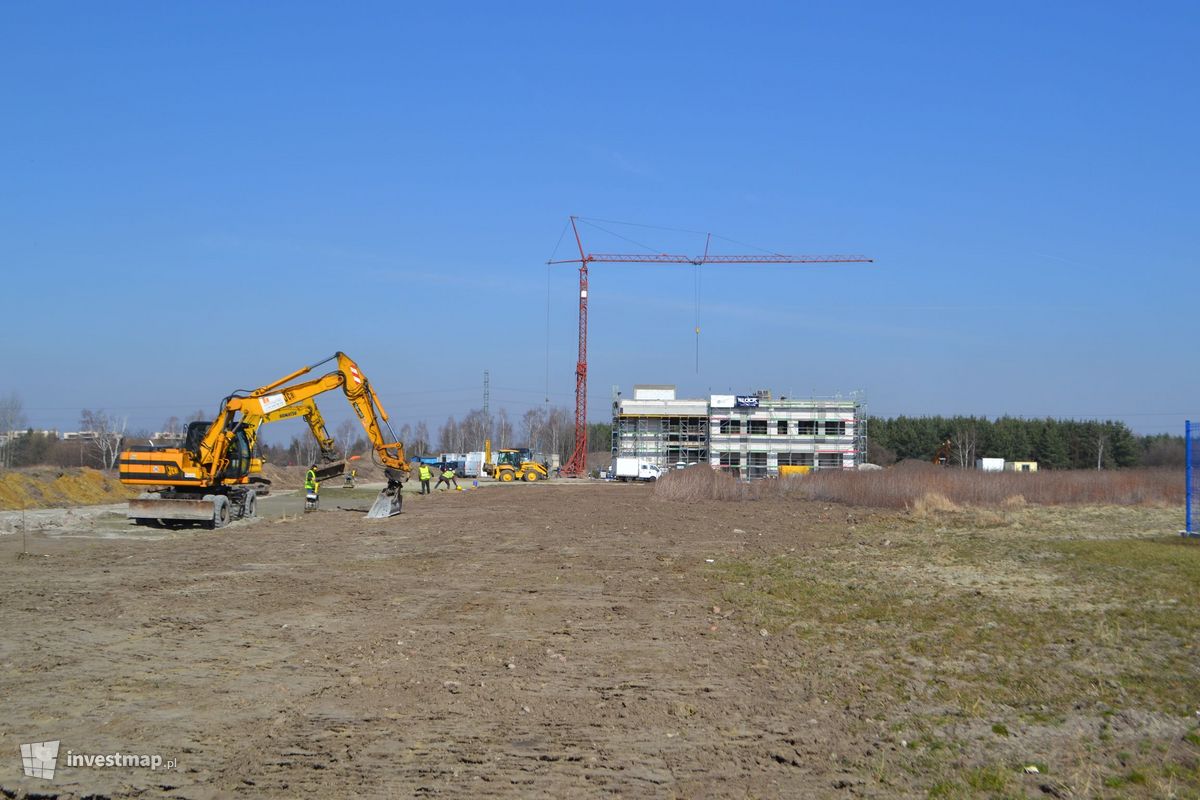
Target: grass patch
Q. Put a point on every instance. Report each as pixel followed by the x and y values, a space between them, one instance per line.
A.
pixel 1054 622
pixel 987 779
pixel 955 628
pixel 1131 778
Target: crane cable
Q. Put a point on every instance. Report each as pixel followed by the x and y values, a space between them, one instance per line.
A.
pixel 553 253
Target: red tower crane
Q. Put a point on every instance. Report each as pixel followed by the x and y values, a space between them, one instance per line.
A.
pixel 577 464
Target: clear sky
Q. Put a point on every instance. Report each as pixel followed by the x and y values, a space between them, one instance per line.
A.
pixel 200 197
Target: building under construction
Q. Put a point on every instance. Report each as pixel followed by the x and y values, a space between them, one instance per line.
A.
pixel 751 436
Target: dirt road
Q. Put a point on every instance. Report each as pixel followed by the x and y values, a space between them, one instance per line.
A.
pixel 548 640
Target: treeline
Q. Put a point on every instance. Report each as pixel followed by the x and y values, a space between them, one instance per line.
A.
pixel 34 448
pixel 543 430
pixel 1053 443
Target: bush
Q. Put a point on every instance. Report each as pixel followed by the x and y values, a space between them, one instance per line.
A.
pixel 913 485
pixel 701 483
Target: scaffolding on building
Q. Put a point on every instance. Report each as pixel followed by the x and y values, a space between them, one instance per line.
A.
pixel 748 436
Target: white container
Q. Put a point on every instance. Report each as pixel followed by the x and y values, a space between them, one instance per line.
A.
pixel 990 464
pixel 473 464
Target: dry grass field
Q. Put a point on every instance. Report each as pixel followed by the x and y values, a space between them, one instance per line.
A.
pixel 581 640
pixel 914 484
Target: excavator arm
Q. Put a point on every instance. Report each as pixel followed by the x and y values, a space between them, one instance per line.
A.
pixel 349 378
pixel 307 409
pixel 279 397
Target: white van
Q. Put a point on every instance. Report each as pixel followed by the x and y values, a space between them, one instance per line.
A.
pixel 634 469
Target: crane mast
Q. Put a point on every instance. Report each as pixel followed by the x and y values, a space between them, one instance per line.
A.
pixel 577 464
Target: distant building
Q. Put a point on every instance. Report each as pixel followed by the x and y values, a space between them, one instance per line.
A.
pixel 990 464
pixel 1020 466
pixel 751 436
pixel 10 436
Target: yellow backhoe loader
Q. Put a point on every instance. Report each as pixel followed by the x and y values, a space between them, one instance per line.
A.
pixel 212 477
pixel 514 465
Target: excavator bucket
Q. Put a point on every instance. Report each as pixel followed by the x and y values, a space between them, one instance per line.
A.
pixel 330 470
pixel 387 504
pixel 389 501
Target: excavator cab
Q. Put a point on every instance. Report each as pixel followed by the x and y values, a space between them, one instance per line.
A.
pixel 238 452
pixel 510 457
pixel 194 436
pixel 238 455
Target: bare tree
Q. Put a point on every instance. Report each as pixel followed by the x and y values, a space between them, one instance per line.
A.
pixel 344 436
pixel 109 434
pixel 504 430
pixel 198 415
pixel 965 441
pixel 172 426
pixel 448 436
pixel 305 449
pixel 474 428
pixel 533 424
pixel 420 442
pixel 11 419
pixel 562 433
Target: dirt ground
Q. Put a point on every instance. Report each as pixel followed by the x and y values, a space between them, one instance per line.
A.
pixel 585 639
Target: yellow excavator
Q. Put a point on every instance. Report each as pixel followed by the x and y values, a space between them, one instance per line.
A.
pixel 212 477
pixel 514 465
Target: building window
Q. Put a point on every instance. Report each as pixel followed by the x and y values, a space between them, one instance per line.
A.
pixel 781 427
pixel 758 426
pixel 807 427
pixel 829 460
pixel 795 459
pixel 731 462
pixel 757 465
pixel 731 426
pixel 835 427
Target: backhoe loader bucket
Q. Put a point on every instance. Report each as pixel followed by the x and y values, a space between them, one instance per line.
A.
pixel 387 504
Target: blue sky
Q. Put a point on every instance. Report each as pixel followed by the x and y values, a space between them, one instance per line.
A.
pixel 203 196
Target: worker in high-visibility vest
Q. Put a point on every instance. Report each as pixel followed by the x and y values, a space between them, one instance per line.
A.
pixel 447 477
pixel 424 474
pixel 312 488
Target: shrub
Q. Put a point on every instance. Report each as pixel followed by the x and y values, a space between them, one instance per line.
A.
pixel 927 488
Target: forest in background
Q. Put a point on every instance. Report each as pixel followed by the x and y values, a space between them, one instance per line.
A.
pixel 1053 443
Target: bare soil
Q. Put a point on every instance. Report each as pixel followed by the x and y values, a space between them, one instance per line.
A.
pixel 585 639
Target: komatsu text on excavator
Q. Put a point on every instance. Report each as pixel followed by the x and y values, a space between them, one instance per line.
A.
pixel 214 477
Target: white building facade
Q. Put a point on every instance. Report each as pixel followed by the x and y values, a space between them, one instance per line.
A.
pixel 750 436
